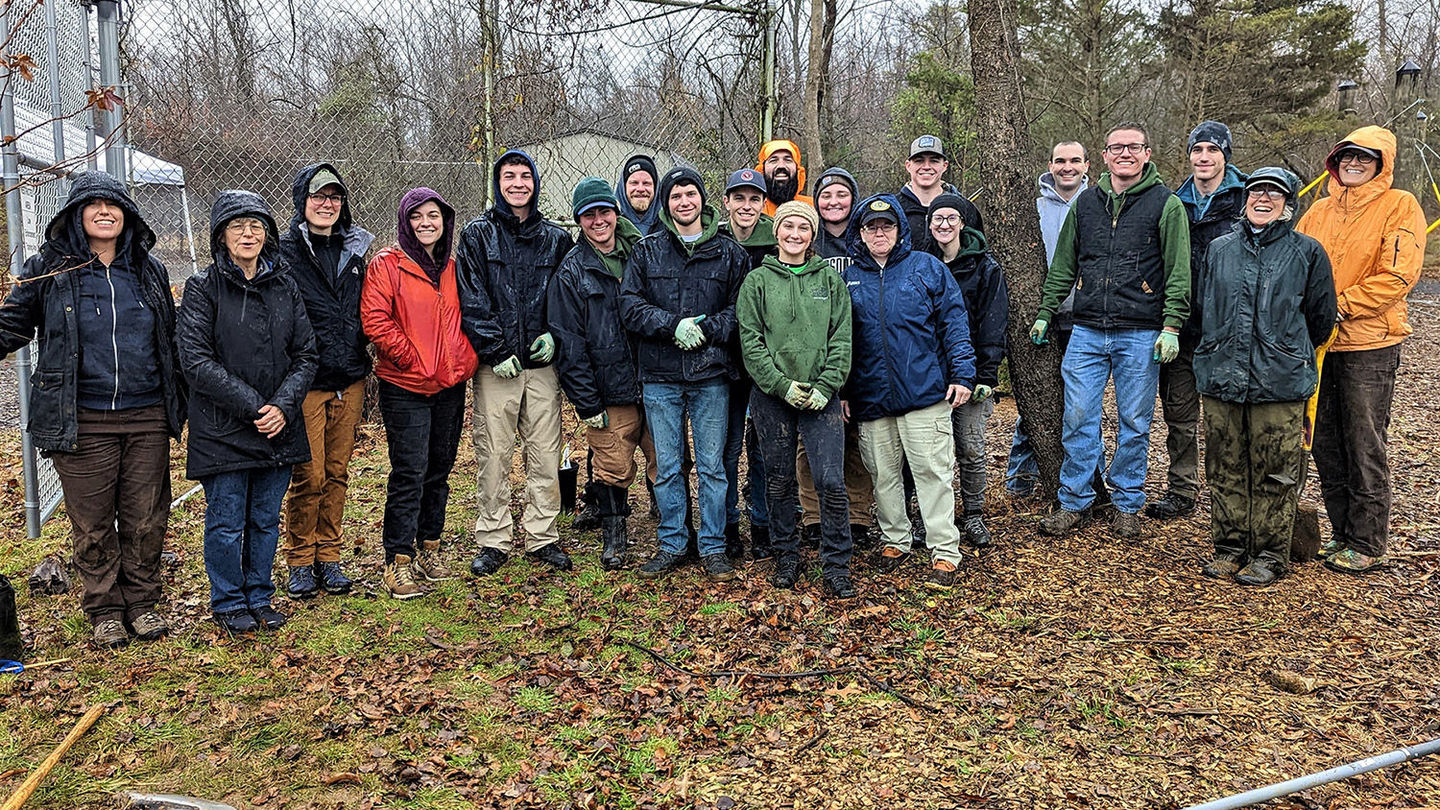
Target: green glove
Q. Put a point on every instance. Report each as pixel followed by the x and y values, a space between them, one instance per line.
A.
pixel 818 401
pixel 688 334
pixel 981 393
pixel 1167 347
pixel 543 349
pixel 1037 332
pixel 599 421
pixel 798 395
pixel 508 369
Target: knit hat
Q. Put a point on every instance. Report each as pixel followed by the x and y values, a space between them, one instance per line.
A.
pixel 948 200
pixel 638 163
pixel 592 192
pixel 1211 132
pixel 833 175
pixel 679 176
pixel 795 208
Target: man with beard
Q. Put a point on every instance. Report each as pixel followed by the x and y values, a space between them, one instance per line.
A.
pixel 784 174
pixel 636 193
pixel 926 166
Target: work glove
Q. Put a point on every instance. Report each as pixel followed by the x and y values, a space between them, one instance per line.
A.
pixel 1037 332
pixel 981 393
pixel 818 401
pixel 543 348
pixel 599 421
pixel 508 369
pixel 798 395
pixel 1167 347
pixel 688 334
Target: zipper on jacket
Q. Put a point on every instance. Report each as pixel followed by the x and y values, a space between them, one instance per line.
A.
pixel 884 336
pixel 114 341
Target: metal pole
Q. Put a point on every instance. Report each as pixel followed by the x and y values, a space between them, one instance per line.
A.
pixel 767 118
pixel 1355 768
pixel 92 160
pixel 107 14
pixel 14 213
pixel 489 12
pixel 57 106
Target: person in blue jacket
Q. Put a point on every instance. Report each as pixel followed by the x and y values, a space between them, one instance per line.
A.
pixel 913 364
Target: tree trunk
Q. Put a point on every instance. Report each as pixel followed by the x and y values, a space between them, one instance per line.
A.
pixel 1015 230
pixel 815 91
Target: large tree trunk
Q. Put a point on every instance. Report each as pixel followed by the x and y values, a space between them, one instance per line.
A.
pixel 1014 231
pixel 822 35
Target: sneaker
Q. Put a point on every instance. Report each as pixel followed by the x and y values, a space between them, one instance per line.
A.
pixel 110 634
pixel 1259 572
pixel 839 586
pixel 149 626
pixel 1126 525
pixel 975 532
pixel 942 576
pixel 428 565
pixel 787 572
pixel 717 567
pixel 1062 521
pixel 399 578
pixel 662 563
pixel 889 559
pixel 1223 566
pixel 1350 561
pixel 332 579
pixel 1330 549
pixel 1170 506
pixel 236 622
pixel 269 618
pixel 552 555
pixel 488 561
pixel 301 584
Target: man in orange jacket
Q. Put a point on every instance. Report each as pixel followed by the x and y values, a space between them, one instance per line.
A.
pixel 1375 236
pixel 784 174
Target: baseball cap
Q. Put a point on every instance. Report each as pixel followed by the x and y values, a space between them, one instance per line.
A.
pixel 927 143
pixel 745 178
pixel 879 209
pixel 324 178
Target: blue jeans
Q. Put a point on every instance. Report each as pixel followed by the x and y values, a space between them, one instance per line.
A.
pixel 1092 358
pixel 707 403
pixel 242 530
pixel 1023 471
pixel 735 434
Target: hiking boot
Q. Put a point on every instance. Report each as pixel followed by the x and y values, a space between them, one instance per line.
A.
pixel 1062 521
pixel 552 555
pixel 1223 566
pixel 149 626
pixel 889 559
pixel 975 532
pixel 717 567
pixel 488 561
pixel 787 572
pixel 661 564
pixel 1350 561
pixel 839 586
pixel 861 537
pixel 1170 506
pixel 1330 549
pixel 760 548
pixel 302 584
pixel 269 618
pixel 734 544
pixel 332 579
pixel 236 622
pixel 428 565
pixel 942 576
pixel 587 519
pixel 1126 525
pixel 614 542
pixel 399 578
pixel 1259 572
pixel 110 634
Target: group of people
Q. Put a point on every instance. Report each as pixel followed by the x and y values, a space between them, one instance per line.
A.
pixel 849 346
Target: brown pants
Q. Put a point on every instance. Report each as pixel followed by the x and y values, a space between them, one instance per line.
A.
pixel 117 495
pixel 613 447
pixel 858 484
pixel 315 505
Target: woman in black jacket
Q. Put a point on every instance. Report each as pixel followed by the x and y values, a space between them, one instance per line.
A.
pixel 248 351
pixel 99 303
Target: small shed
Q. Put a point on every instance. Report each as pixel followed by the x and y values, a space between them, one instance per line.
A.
pixel 567 158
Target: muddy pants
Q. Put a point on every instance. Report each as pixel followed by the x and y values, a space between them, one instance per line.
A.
pixel 1180 405
pixel 1252 464
pixel 1351 421
pixel 780 428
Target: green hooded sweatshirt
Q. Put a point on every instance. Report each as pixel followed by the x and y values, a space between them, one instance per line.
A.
pixel 626 235
pixel 795 326
pixel 1174 227
pixel 761 236
pixel 709 224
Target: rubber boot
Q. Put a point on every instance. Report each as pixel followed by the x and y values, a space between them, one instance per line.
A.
pixel 588 518
pixel 614 506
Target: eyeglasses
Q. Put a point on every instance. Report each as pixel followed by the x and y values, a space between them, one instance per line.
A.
pixel 945 219
pixel 878 227
pixel 1358 157
pixel 241 226
pixel 1267 192
pixel 1122 148
pixel 328 199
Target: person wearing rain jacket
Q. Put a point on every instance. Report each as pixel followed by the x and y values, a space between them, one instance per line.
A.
pixel 912 364
pixel 324 252
pixel 1267 302
pixel 248 352
pixel 410 309
pixel 99 303
pixel 779 162
pixel 636 193
pixel 1375 237
pixel 503 265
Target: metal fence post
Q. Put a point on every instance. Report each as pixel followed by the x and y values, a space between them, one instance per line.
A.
pixel 92 159
pixel 52 57
pixel 767 118
pixel 107 14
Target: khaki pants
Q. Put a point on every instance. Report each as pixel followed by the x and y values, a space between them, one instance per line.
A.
pixel 315 506
pixel 925 438
pixel 857 482
pixel 613 447
pixel 530 406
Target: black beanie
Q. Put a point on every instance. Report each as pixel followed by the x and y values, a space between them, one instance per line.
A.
pixel 638 163
pixel 948 200
pixel 1211 132
pixel 679 176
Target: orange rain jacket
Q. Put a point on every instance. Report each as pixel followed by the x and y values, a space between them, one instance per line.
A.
pixel 770 148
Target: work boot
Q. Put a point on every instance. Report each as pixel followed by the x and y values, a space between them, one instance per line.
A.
pixel 1224 566
pixel 1259 572
pixel 1170 506
pixel 734 544
pixel 399 578
pixel 332 579
pixel 861 538
pixel 588 518
pixel 654 504
pixel 614 542
pixel 975 532
pixel 787 572
pixel 301 584
pixel 552 555
pixel 661 564
pixel 110 634
pixel 760 548
pixel 1062 521
pixel 1126 526
pixel 717 567
pixel 839 586
pixel 942 576
pixel 488 561
pixel 428 565
pixel 889 559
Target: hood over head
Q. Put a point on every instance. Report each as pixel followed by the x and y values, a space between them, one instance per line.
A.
pixel 300 190
pixel 414 198
pixel 1374 138
pixel 638 162
pixel 500 205
pixel 771 147
pixel 65 232
pixel 856 246
pixel 231 205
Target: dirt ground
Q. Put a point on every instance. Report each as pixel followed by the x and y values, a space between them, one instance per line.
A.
pixel 1074 673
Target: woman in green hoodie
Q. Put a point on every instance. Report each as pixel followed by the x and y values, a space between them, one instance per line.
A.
pixel 794 319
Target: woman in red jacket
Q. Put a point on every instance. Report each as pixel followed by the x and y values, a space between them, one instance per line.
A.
pixel 411 312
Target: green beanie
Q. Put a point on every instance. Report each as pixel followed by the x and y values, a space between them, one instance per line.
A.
pixel 592 192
